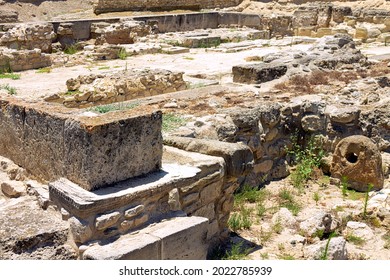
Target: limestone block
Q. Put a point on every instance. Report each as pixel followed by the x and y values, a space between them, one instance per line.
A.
pixel 141 220
pixel 128 247
pixel 263 167
pixel 105 221
pixel 174 200
pixel 81 231
pixel 358 159
pixel 207 211
pixel 211 192
pixel 185 239
pixel 80 148
pixel 258 73
pixel 312 123
pixel 321 32
pixel 304 31
pixel 340 12
pixel 361 33
pixel 190 198
pixel 343 115
pixel 134 211
pixel 373 33
pixel 13 189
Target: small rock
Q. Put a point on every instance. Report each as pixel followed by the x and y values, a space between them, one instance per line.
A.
pixel 107 220
pixel 360 230
pixel 285 217
pixel 320 221
pixel 13 189
pixel 336 250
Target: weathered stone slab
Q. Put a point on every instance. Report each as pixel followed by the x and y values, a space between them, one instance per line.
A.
pixel 181 238
pixel 90 151
pixel 258 73
pixel 26 228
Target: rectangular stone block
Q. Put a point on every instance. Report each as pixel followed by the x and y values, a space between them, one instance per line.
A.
pixel 52 142
pixel 128 247
pixel 258 73
pixel 183 239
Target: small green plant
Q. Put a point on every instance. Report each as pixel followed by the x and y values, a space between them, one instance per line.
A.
pixel 316 197
pixel 344 186
pixel 122 54
pixel 43 70
pixel 369 188
pixel 240 220
pixel 324 255
pixel 260 210
pixel 114 107
pixel 104 68
pixel 71 49
pixel 171 122
pixel 287 200
pixel 188 58
pixel 72 92
pixel 264 256
pixel 281 247
pixel 264 236
pixel 356 240
pixel 11 76
pixel 307 159
pixel 277 227
pixel 9 89
pixel 319 233
pixel 236 252
pixel 286 257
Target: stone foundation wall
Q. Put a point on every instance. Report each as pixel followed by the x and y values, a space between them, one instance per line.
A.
pixel 13 60
pixel 105 6
pixel 90 90
pixel 28 36
pixel 91 152
pixel 190 184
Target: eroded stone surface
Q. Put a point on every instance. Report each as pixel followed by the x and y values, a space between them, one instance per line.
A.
pixel 358 159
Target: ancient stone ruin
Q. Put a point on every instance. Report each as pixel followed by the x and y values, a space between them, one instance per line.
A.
pixel 172 135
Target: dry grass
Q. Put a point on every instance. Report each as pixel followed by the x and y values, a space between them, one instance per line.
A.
pixel 305 84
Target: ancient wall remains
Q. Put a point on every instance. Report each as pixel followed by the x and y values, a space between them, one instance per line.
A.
pixel 104 6
pixel 14 60
pixel 91 152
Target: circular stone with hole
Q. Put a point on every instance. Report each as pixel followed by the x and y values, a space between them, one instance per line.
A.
pixel 358 160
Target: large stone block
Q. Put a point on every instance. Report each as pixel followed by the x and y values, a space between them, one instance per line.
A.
pixel 359 160
pixel 258 73
pixel 90 151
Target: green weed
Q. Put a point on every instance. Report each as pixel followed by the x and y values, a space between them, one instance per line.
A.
pixel 122 54
pixel 11 76
pixel 171 122
pixel 237 252
pixel 356 240
pixel 43 70
pixel 71 49
pixel 286 256
pixel 104 68
pixel 307 159
pixel 277 227
pixel 287 200
pixel 9 89
pixel 324 255
pixel 369 188
pixel 316 197
pixel 114 107
pixel 240 220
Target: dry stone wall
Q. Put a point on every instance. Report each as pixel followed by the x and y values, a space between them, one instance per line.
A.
pixel 104 6
pixel 13 60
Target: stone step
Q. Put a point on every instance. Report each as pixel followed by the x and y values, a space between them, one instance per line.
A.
pixel 179 238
